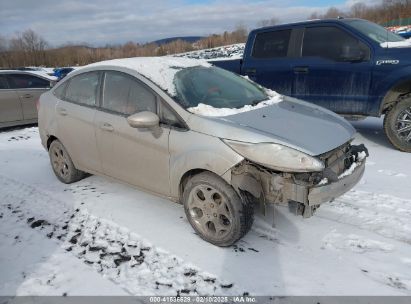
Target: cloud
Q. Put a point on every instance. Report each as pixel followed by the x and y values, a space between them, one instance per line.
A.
pixel 98 22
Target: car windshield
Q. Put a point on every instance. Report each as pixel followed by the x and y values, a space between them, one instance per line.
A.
pixel 374 31
pixel 215 87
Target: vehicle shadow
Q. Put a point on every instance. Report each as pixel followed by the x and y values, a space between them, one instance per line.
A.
pixel 14 128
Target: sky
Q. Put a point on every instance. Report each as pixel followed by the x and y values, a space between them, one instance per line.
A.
pixel 100 22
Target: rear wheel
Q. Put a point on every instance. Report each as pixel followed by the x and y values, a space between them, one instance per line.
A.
pixel 62 164
pixel 397 124
pixel 215 211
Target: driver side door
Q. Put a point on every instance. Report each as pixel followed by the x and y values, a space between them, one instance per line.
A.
pixel 137 156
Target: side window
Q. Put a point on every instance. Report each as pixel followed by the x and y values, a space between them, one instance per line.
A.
pixel 24 81
pixel 331 43
pixel 271 44
pixel 3 83
pixel 168 117
pixel 83 89
pixel 124 94
pixel 59 91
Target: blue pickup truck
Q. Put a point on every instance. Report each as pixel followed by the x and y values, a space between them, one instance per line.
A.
pixel 351 66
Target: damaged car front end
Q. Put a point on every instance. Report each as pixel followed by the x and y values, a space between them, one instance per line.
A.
pixel 325 178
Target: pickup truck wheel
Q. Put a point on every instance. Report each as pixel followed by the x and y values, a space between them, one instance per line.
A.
pixel 397 125
pixel 62 164
pixel 215 211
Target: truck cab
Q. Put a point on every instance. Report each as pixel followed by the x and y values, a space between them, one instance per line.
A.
pixel 350 66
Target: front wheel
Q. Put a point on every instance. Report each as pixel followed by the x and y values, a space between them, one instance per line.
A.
pixel 215 211
pixel 397 125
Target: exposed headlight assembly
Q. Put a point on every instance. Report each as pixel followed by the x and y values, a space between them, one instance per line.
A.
pixel 277 157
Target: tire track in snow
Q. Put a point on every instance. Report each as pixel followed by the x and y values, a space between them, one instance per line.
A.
pixel 123 256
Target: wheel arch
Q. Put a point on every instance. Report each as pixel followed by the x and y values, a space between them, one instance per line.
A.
pixel 394 94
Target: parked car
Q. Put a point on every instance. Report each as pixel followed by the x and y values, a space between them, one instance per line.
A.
pixel 19 91
pixel 60 73
pixel 132 120
pixel 350 66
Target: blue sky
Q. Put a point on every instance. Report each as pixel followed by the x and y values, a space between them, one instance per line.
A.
pixel 98 22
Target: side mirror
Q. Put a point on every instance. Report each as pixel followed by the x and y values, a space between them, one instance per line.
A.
pixel 143 119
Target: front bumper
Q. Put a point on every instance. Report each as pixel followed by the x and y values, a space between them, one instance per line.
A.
pixel 326 193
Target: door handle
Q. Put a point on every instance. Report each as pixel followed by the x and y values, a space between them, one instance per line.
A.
pixel 62 111
pixel 301 70
pixel 106 127
pixel 27 96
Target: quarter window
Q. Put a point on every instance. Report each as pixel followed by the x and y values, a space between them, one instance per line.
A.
pixel 271 44
pixel 83 89
pixel 126 95
pixel 23 81
pixel 330 43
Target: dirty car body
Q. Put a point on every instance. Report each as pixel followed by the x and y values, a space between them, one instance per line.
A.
pixel 269 148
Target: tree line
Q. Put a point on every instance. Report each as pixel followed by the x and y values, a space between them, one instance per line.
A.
pixel 384 12
pixel 30 49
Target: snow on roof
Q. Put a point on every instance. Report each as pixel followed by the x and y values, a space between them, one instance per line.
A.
pixel 160 70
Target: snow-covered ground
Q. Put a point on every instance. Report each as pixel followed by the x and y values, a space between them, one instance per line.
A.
pixel 100 237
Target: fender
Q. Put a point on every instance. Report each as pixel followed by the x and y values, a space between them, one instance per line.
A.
pixel 387 90
pixel 191 150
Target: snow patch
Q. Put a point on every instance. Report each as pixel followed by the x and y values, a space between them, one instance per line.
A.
pixel 397 44
pixel 207 110
pixel 160 70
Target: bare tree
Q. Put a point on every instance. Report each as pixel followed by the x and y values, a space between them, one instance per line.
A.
pixel 268 22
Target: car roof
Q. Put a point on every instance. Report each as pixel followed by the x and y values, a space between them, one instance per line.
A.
pixel 159 70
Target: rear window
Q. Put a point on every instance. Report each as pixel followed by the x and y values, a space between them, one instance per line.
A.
pixel 23 81
pixel 271 44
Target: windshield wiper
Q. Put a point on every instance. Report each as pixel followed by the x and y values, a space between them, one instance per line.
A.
pixel 257 101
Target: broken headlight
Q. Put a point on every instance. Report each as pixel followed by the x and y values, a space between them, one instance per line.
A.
pixel 277 157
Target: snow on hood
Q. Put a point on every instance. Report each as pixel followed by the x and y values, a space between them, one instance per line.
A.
pixel 160 70
pixel 398 44
pixel 207 110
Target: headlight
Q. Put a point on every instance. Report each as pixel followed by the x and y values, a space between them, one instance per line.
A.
pixel 277 157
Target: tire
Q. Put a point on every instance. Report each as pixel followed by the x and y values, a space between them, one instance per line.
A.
pixel 396 119
pixel 215 211
pixel 62 164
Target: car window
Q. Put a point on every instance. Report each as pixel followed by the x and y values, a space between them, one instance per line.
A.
pixel 3 83
pixel 124 94
pixel 168 117
pixel 271 44
pixel 330 42
pixel 83 88
pixel 59 91
pixel 24 81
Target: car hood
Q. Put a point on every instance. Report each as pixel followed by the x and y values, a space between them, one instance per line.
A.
pixel 293 123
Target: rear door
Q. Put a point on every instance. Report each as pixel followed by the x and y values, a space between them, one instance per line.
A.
pixel 269 63
pixel 137 156
pixel 325 76
pixel 10 105
pixel 76 111
pixel 29 88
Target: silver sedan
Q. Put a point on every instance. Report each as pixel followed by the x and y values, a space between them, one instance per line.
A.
pixel 196 134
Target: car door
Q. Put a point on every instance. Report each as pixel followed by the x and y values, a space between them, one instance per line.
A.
pixel 10 105
pixel 75 111
pixel 326 75
pixel 28 88
pixel 270 60
pixel 137 156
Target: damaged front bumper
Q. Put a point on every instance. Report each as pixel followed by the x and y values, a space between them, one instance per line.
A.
pixel 304 193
